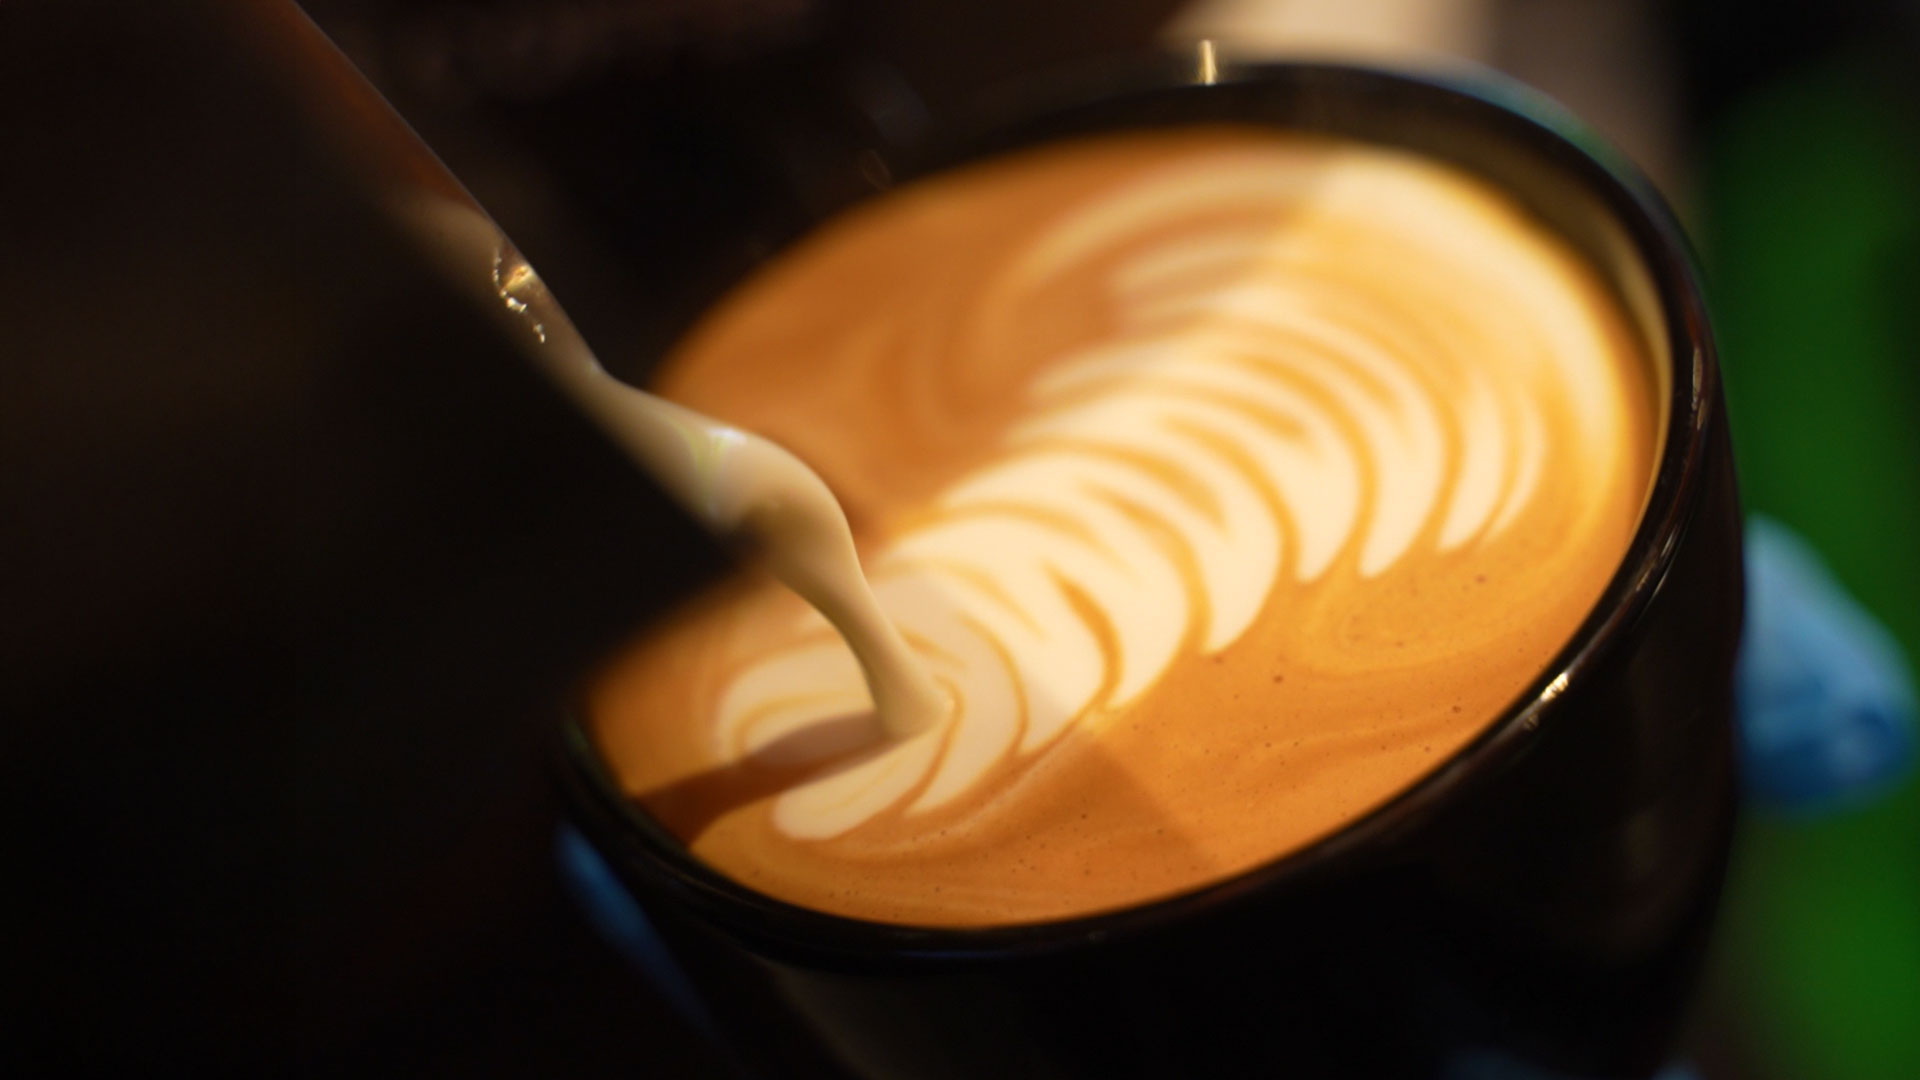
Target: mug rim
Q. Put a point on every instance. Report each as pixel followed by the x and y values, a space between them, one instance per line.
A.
pixel 1505 108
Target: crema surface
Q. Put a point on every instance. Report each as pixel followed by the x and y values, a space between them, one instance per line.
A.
pixel 1228 480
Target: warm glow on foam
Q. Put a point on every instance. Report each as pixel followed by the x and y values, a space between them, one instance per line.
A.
pixel 1228 480
pixel 1342 359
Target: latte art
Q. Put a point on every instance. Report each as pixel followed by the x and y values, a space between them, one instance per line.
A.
pixel 1257 407
pixel 1228 396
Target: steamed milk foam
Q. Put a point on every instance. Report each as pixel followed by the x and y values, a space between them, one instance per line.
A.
pixel 1226 480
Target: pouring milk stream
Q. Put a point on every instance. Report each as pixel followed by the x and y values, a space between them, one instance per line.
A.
pixel 740 486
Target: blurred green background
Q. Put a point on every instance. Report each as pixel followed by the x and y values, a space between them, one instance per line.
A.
pixel 1808 211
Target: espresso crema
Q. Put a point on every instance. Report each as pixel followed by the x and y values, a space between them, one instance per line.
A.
pixel 1227 480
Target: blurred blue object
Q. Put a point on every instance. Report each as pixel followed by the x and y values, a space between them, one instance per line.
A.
pixel 617 917
pixel 1826 700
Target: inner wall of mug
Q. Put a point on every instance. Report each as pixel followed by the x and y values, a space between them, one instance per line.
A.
pixel 1539 157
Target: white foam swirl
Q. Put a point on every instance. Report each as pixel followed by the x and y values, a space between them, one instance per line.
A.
pixel 1347 355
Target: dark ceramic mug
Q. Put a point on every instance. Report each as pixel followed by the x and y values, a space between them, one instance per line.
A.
pixel 1545 895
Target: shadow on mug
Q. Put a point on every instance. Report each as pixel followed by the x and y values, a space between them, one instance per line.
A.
pixel 1545 894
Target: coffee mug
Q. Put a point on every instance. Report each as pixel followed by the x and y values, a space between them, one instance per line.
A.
pixel 1544 894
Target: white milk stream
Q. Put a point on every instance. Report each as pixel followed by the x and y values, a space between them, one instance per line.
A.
pixel 741 487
